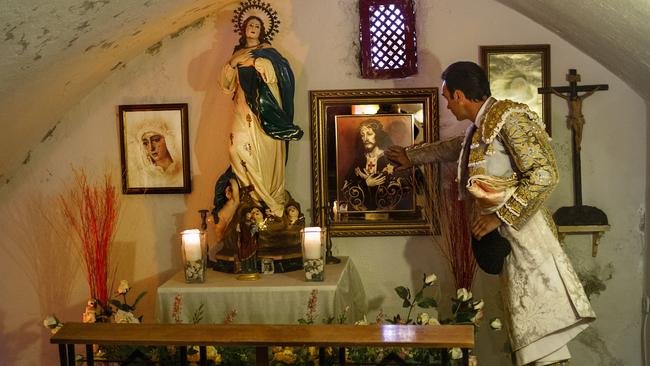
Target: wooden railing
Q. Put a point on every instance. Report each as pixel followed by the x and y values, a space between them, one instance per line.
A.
pixel 259 336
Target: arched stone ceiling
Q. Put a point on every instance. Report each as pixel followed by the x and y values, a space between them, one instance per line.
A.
pixel 616 33
pixel 54 52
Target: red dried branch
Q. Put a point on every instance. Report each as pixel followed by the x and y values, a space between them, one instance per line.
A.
pixel 443 207
pixel 91 212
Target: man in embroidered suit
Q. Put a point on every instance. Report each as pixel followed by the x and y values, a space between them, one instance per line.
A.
pixel 506 164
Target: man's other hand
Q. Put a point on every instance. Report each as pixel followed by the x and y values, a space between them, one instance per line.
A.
pixel 485 224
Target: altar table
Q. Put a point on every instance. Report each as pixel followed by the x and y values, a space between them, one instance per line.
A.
pixel 279 298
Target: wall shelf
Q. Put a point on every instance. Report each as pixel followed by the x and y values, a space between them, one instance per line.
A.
pixel 596 231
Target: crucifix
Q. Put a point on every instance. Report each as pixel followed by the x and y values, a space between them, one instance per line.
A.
pixel 577 218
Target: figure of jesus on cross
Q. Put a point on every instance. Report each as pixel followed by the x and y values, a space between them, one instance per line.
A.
pixel 576 121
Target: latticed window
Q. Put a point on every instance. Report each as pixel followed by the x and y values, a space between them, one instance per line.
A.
pixel 388 41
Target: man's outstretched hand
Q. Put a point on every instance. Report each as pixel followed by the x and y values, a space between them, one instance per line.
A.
pixel 398 155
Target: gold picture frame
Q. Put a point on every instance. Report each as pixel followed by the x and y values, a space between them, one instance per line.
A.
pixel 418 104
pixel 516 72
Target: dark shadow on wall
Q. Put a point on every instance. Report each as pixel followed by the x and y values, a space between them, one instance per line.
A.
pixel 210 147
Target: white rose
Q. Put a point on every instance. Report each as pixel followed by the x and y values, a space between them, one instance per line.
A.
pixel 495 324
pixel 478 305
pixel 362 322
pixel 125 317
pixel 423 318
pixel 434 321
pixel 476 319
pixel 50 322
pixel 456 353
pixel 463 295
pixel 473 360
pixel 430 279
pixel 89 317
pixel 124 287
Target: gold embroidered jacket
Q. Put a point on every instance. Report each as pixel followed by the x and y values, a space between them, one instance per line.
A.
pixel 531 158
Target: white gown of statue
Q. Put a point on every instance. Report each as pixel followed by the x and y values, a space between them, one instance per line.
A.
pixel 256 158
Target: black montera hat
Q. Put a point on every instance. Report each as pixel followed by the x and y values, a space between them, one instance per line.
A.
pixel 491 251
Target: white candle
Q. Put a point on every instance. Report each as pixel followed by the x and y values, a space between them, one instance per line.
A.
pixel 312 244
pixel 192 244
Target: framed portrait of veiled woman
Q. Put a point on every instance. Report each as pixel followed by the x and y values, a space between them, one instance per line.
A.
pixel 357 190
pixel 154 148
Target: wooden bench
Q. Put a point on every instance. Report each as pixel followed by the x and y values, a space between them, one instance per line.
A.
pixel 259 336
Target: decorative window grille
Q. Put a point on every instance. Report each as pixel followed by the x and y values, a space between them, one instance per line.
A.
pixel 388 40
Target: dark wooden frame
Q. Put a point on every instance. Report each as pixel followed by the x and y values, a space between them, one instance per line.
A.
pixel 182 142
pixel 411 67
pixel 325 105
pixel 542 49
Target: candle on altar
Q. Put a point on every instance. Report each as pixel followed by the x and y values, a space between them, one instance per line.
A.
pixel 192 244
pixel 312 243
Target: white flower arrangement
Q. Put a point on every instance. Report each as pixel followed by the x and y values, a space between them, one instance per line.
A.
pixel 194 271
pixel 122 316
pixel 314 269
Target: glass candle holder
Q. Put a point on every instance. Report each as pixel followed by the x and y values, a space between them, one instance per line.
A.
pixel 194 252
pixel 313 253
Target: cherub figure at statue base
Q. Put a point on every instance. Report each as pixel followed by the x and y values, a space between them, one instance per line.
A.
pixel 250 232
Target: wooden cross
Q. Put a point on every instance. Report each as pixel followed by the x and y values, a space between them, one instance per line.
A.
pixel 579 218
pixel 575 120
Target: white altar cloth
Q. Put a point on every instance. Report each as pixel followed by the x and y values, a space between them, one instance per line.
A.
pixel 279 298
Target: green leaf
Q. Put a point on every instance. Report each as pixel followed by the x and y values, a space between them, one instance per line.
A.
pixel 116 303
pixel 406 303
pixel 427 302
pixel 402 292
pixel 328 320
pixel 137 299
pixel 418 296
pixel 198 315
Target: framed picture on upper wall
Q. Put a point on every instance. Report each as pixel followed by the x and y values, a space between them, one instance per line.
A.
pixel 357 190
pixel 516 71
pixel 154 148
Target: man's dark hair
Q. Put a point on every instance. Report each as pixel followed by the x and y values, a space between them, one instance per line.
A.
pixel 469 78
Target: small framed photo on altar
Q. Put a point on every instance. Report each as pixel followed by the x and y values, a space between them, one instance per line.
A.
pixel 154 148
pixel 357 190
pixel 516 71
pixel 267 266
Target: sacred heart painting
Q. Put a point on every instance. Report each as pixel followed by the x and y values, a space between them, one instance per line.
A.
pixel 366 180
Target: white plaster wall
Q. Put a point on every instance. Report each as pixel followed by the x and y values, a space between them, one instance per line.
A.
pixel 319 39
